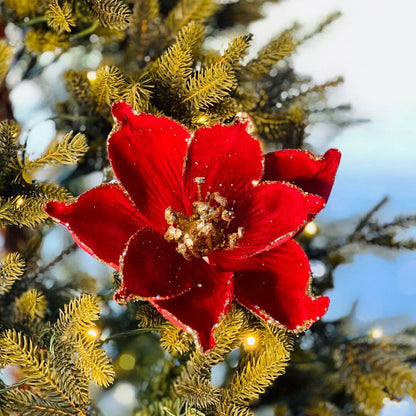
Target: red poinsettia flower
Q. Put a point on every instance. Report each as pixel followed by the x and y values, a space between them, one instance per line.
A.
pixel 197 221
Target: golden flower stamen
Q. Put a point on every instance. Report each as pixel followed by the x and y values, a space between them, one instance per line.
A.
pixel 205 230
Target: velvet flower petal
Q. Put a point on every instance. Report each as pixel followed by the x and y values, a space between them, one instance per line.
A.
pixel 147 154
pixel 200 310
pixel 275 285
pixel 194 217
pixel 270 214
pixel 151 268
pixel 101 221
pixel 314 174
pixel 225 159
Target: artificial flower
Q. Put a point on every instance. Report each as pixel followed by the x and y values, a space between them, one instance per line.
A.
pixel 196 221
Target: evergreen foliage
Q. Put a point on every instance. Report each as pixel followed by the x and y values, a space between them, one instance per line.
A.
pixel 155 56
pixel 6 54
pixel 60 18
pixel 11 269
pixel 22 198
pixel 54 381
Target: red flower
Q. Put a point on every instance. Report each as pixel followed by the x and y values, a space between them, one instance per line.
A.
pixel 197 221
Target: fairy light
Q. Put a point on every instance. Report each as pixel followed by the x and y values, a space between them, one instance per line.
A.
pixel 250 342
pixel 19 202
pixel 93 332
pixel 376 332
pixel 92 75
pixel 311 229
pixel 203 119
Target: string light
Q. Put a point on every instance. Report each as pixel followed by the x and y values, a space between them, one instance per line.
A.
pixel 311 229
pixel 93 332
pixel 203 119
pixel 250 342
pixel 19 202
pixel 92 75
pixel 376 332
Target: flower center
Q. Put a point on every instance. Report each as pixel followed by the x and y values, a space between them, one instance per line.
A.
pixel 205 230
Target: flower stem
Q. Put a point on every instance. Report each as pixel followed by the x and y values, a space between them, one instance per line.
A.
pixel 87 31
pixel 34 21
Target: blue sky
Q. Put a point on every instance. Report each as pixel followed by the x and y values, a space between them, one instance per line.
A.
pixel 372 47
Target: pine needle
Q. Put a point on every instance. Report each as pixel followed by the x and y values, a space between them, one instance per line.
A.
pixel 113 14
pixel 209 86
pixel 270 55
pixel 6 55
pixel 65 152
pixel 11 269
pixel 60 18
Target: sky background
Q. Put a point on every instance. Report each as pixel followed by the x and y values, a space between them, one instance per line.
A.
pixel 372 47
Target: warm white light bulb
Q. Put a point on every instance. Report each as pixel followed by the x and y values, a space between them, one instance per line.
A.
pixel 376 332
pixel 19 202
pixel 92 75
pixel 311 229
pixel 250 341
pixel 93 332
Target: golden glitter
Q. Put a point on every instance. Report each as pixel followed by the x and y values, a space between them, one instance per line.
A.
pixel 205 230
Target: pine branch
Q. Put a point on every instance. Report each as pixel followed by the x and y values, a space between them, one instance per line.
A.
pixel 138 93
pixel 174 340
pixel 76 318
pixel 236 51
pixel 6 55
pixel 321 26
pixel 17 349
pixel 11 269
pixel 66 152
pixel 79 89
pixel 23 210
pixel 169 74
pixel 9 147
pixel 148 317
pixel 30 306
pixel 39 40
pixel 191 36
pixel 32 404
pixel 107 87
pixel 209 86
pixel 94 364
pixel 225 408
pixel 284 127
pixel 186 11
pixel 60 18
pixel 259 368
pixel 113 14
pixel 194 383
pixel 271 54
pixel 372 371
